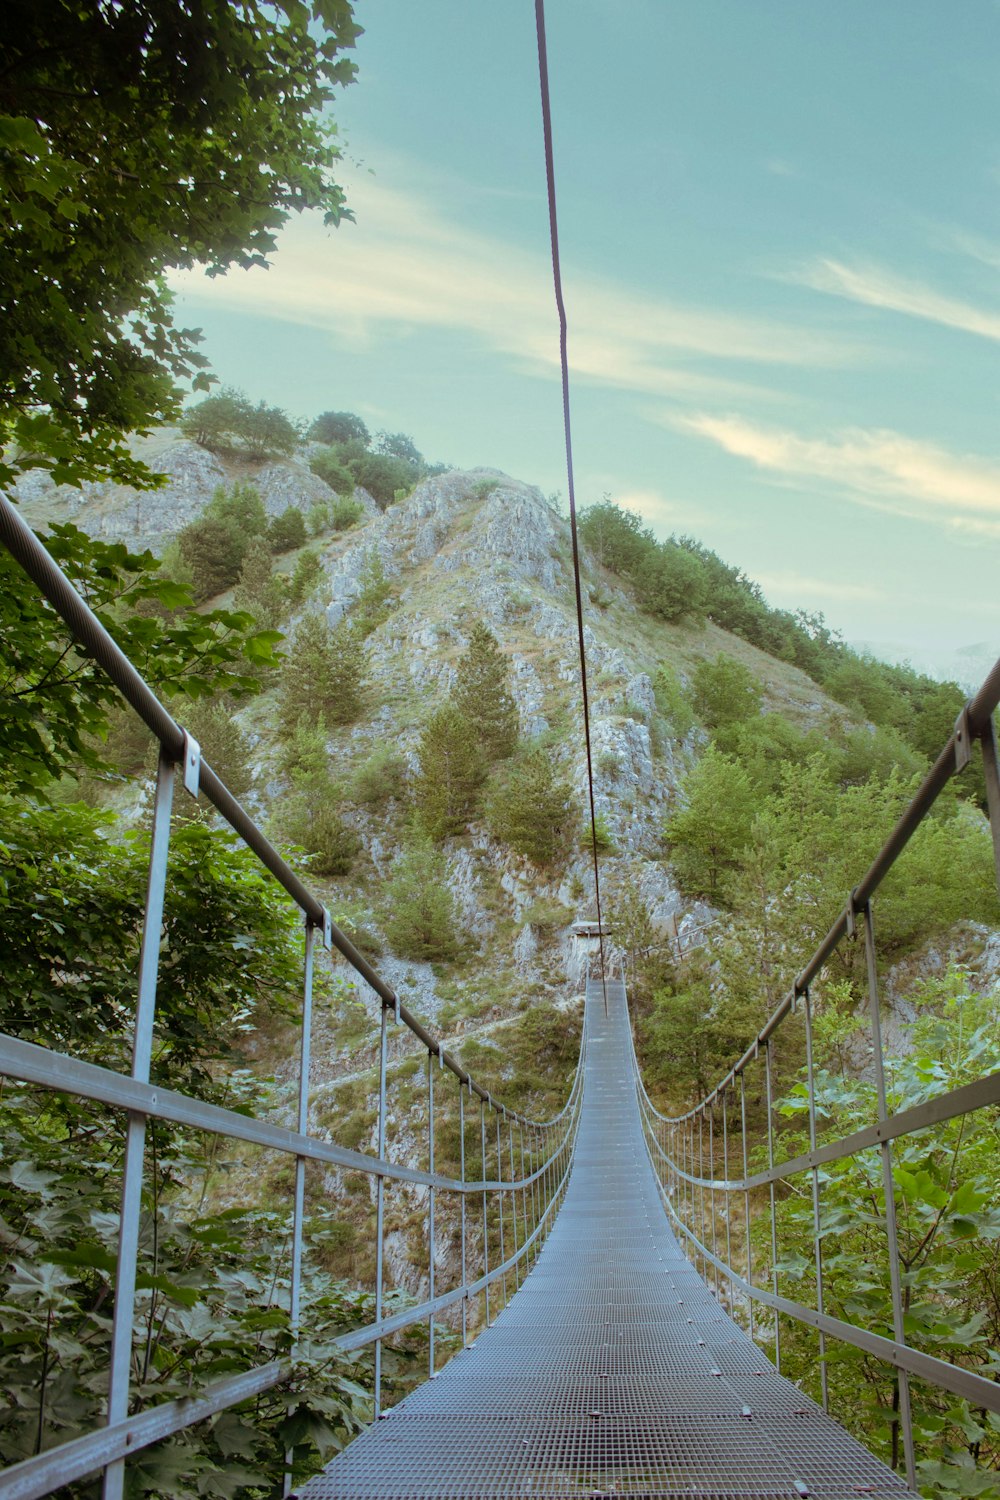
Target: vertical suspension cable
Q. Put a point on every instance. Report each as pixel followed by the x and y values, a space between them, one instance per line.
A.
pixel 550 177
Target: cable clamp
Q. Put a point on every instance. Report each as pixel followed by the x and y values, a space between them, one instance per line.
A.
pixel 850 917
pixel 963 739
pixel 191 764
pixel 327 930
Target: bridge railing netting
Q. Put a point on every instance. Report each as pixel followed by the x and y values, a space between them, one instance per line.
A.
pixel 501 1212
pixel 727 1178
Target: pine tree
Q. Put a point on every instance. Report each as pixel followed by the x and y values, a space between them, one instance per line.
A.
pixel 259 592
pixel 421 921
pixel 482 693
pixel 533 810
pixel 323 673
pixel 630 926
pixel 451 772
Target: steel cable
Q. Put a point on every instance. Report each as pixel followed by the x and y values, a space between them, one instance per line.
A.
pixel 550 177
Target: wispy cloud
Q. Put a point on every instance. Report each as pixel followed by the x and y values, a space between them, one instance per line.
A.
pixel 905 474
pixel 404 267
pixel 788 587
pixel 874 286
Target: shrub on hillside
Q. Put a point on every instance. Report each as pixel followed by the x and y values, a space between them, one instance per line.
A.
pixel 452 770
pixel 382 475
pixel 482 693
pixel 230 421
pixel 287 531
pixel 323 673
pixel 421 920
pixel 379 779
pixel 345 512
pixel 725 692
pixel 258 591
pixel 532 808
pixel 329 465
pixel 339 427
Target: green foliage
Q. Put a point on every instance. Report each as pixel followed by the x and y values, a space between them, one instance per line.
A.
pixel 532 808
pixel 671 584
pixel 546 915
pixel 710 833
pixel 223 743
pixel 258 591
pixel 323 674
pixel 287 531
pixel 382 475
pixel 375 601
pixel 230 423
pixel 309 814
pixel 212 1286
pixel 55 703
pixel 329 465
pixel 629 923
pixel 380 779
pixel 947 1190
pixel 305 578
pixel 452 770
pixel 345 513
pixel 339 427
pixel 115 172
pixel 213 547
pixel 482 694
pixel 725 692
pixel 400 445
pixel 672 701
pixel 421 920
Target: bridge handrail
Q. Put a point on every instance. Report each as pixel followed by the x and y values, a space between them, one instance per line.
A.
pixel 675 1142
pixel 549 1143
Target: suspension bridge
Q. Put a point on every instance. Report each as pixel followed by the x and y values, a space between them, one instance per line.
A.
pixel 614 1368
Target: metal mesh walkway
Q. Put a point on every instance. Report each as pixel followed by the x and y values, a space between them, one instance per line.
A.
pixel 613 1371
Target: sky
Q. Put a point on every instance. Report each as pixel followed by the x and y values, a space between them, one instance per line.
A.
pixel 780 235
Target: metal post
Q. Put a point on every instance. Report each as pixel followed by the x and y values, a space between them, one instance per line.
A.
pixel 892 1235
pixel 380 1210
pixel 465 1277
pixel 711 1170
pixel 991 769
pixel 524 1193
pixel 725 1174
pixel 486 1227
pixel 503 1255
pixel 701 1176
pixel 746 1195
pixel 298 1219
pixel 430 1213
pixel 811 1084
pixel 513 1203
pixel 135 1143
pixel 774 1223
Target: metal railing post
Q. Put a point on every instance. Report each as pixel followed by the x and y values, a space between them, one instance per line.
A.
pixel 817 1242
pixel 513 1204
pixel 380 1209
pixel 892 1234
pixel 774 1218
pixel 701 1177
pixel 503 1255
pixel 486 1227
pixel 524 1196
pixel 298 1212
pixel 746 1195
pixel 130 1212
pixel 725 1174
pixel 430 1210
pixel 991 771
pixel 465 1274
pixel 711 1200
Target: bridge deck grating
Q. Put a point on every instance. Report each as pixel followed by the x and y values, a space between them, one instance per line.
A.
pixel 614 1371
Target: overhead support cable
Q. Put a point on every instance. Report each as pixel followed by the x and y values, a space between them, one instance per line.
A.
pixel 550 176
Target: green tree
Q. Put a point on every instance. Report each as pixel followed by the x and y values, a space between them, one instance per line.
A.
pixel 309 814
pixel 329 466
pixel 305 577
pixel 287 531
pixel 725 692
pixel 375 601
pixel 421 920
pixel 258 591
pixel 533 809
pixel 323 675
pixel 446 788
pixel 213 552
pixel 670 583
pixel 710 833
pixel 339 427
pixel 382 474
pixel 482 694
pixel 399 445
pixel 616 537
pixel 133 142
pixel 214 422
pixel 239 506
pixel 630 926
pixel 55 702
